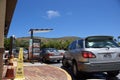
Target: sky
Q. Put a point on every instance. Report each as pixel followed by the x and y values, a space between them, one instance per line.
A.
pixel 79 18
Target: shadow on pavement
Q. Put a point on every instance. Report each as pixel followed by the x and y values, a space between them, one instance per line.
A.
pixel 51 62
pixel 85 76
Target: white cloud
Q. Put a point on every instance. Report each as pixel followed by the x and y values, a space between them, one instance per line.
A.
pixel 52 14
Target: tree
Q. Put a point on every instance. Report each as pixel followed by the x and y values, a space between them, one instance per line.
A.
pixel 22 43
pixel 7 43
pixel 53 43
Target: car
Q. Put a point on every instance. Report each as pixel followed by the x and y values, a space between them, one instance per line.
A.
pixel 5 57
pixel 50 54
pixel 61 51
pixel 15 52
pixel 93 54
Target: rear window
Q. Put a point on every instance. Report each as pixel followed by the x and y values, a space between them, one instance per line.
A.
pixel 52 50
pixel 101 44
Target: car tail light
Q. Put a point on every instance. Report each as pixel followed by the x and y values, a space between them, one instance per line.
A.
pixel 119 55
pixel 87 54
pixel 50 54
pixel 61 53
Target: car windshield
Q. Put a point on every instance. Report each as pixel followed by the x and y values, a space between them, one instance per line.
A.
pixel 101 44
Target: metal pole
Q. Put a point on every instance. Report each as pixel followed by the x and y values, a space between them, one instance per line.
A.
pixel 11 46
pixel 32 45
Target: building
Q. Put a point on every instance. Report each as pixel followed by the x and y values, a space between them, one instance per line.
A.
pixel 7 8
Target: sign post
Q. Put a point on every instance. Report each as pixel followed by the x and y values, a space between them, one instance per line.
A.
pixel 32 49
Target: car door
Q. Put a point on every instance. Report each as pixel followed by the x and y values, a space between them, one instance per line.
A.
pixel 73 50
pixel 69 54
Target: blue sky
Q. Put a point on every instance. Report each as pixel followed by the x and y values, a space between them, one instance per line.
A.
pixel 66 17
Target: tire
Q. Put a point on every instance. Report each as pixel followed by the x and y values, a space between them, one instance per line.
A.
pixel 43 60
pixel 75 69
pixel 64 63
pixel 113 73
pixel 58 61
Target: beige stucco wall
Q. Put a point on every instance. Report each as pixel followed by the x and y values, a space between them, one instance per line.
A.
pixel 2 25
pixel 2 21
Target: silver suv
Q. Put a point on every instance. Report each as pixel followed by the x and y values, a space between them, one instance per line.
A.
pixel 93 54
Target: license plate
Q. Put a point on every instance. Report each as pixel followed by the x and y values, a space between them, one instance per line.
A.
pixel 56 56
pixel 107 56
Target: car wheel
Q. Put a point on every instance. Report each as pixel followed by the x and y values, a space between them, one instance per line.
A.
pixel 113 73
pixel 64 63
pixel 58 61
pixel 75 69
pixel 43 60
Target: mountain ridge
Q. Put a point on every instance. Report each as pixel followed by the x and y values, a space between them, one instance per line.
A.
pixel 44 38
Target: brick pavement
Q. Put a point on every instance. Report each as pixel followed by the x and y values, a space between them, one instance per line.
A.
pixel 42 72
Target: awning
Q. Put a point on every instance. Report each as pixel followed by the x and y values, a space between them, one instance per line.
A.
pixel 10 7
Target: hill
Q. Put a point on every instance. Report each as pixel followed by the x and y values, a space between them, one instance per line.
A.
pixel 43 39
pixel 58 43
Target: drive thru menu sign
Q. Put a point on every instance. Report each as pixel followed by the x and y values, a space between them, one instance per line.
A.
pixel 36 48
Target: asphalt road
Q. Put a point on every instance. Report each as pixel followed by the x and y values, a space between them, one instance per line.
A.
pixel 98 76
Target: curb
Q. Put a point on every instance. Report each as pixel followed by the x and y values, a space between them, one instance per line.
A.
pixel 68 76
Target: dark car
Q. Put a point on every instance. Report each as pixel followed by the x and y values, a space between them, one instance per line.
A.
pixel 50 54
pixel 93 54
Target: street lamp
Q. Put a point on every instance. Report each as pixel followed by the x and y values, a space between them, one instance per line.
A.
pixel 31 31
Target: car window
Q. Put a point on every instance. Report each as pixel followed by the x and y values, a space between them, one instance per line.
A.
pixel 80 44
pixel 52 50
pixel 101 44
pixel 72 45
